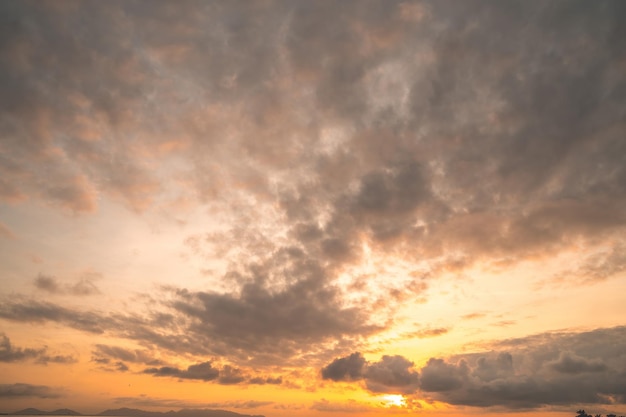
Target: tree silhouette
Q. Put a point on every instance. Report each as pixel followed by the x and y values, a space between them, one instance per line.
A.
pixel 582 413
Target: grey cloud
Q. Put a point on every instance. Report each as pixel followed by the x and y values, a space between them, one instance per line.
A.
pixel 571 364
pixel 508 146
pixel 266 380
pixel 31 311
pixel 438 376
pixel 205 371
pixel 10 353
pixel 201 371
pixel 105 352
pixel 269 327
pixel 546 369
pixel 47 283
pixel 532 372
pixel 345 369
pixel 281 323
pixel 230 375
pixel 84 286
pixel 594 268
pixel 390 374
pixel 20 390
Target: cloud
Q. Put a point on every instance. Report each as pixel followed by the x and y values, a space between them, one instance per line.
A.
pixel 20 390
pixel 345 369
pixel 426 333
pixel 532 372
pixel 375 137
pixel 350 406
pixel 205 371
pixel 47 283
pixel 230 375
pixel 545 369
pixel 10 353
pixel 271 323
pixel 31 311
pixel 143 356
pixel 572 364
pixel 265 380
pixel 201 371
pixel 84 286
pixel 390 374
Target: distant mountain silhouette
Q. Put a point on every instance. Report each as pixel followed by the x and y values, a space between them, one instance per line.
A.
pixel 36 412
pixel 134 412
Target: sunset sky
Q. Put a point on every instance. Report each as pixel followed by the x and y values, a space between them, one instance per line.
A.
pixel 313 208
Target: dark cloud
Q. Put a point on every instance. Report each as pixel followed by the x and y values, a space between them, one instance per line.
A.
pixel 439 376
pixel 205 371
pixel 280 323
pixel 390 374
pixel 201 371
pixel 571 364
pixel 345 369
pixel 541 370
pixel 266 380
pixel 20 390
pixel 230 375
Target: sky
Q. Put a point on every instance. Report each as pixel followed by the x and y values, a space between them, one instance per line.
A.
pixel 313 208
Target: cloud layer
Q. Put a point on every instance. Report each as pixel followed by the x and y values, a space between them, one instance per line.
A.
pixel 541 370
pixel 331 163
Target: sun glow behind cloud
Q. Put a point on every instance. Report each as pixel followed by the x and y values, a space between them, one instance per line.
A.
pixel 323 208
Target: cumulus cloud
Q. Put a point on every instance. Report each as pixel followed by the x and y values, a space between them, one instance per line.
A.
pixel 390 374
pixel 540 370
pixel 345 369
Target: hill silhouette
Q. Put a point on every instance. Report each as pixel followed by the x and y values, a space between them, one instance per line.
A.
pixel 134 412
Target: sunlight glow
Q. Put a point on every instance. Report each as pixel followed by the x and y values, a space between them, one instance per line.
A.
pixel 393 400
